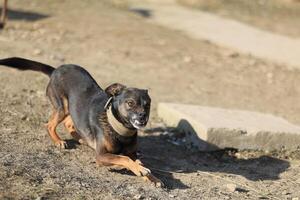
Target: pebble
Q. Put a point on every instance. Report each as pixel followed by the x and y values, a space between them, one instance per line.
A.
pixel 57 57
pixel 270 75
pixel 138 196
pixel 233 54
pixel 187 59
pixel 231 187
pixel 23 117
pixel 284 192
pixel 37 52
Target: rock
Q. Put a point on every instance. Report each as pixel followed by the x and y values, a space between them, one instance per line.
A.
pixel 187 59
pixel 138 196
pixel 231 187
pixel 37 52
pixel 23 117
pixel 210 128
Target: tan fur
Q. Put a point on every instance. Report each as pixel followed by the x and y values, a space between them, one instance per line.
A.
pixel 53 122
pixel 122 161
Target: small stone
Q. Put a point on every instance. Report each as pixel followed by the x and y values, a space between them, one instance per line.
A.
pixel 233 54
pixel 295 198
pixel 285 192
pixel 23 117
pixel 187 59
pixel 238 155
pixel 270 75
pixel 37 52
pixel 138 196
pixel 231 187
pixel 267 151
pixel 57 57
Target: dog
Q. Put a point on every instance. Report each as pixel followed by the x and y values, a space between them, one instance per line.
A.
pixel 3 16
pixel 106 120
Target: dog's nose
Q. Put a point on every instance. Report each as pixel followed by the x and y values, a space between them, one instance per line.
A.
pixel 142 115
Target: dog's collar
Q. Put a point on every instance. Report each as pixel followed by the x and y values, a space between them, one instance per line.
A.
pixel 108 103
pixel 116 125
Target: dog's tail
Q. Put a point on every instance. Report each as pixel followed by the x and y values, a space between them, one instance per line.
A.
pixel 24 64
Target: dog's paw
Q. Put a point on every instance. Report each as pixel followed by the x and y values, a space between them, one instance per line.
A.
pixel 61 144
pixel 154 180
pixel 158 183
pixel 141 171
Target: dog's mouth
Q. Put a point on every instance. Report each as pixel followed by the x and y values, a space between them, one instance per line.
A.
pixel 138 124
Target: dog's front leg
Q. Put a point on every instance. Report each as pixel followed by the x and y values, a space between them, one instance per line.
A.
pixel 136 166
pixel 108 159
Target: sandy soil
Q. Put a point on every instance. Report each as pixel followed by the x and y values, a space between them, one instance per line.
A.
pixel 115 45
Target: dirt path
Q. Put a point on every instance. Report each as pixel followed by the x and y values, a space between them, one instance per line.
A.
pixel 119 46
pixel 224 32
pixel 279 16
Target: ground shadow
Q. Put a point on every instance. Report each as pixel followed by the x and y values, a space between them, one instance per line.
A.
pixel 24 15
pixel 72 144
pixel 166 158
pixel 142 12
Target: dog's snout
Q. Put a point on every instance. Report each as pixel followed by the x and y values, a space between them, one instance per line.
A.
pixel 142 115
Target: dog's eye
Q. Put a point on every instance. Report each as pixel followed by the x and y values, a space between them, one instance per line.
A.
pixel 130 103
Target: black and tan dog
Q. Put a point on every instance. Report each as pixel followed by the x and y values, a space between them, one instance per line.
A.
pixel 106 120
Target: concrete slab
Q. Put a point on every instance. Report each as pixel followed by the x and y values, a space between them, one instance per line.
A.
pixel 211 128
pixel 225 32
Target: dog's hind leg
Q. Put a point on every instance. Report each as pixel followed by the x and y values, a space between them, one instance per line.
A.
pixel 69 125
pixel 60 112
pixel 57 117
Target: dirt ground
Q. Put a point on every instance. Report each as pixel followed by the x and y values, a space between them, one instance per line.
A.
pixel 115 45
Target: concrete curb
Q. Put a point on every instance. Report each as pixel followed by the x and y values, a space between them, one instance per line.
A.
pixel 210 128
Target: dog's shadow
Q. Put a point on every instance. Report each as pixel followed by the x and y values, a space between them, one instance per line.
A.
pixel 72 143
pixel 168 161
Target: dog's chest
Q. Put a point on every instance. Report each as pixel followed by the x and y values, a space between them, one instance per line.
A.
pixel 114 142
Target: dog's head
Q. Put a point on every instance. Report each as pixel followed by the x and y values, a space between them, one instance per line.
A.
pixel 132 105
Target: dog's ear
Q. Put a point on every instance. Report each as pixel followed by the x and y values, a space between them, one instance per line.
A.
pixel 114 89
